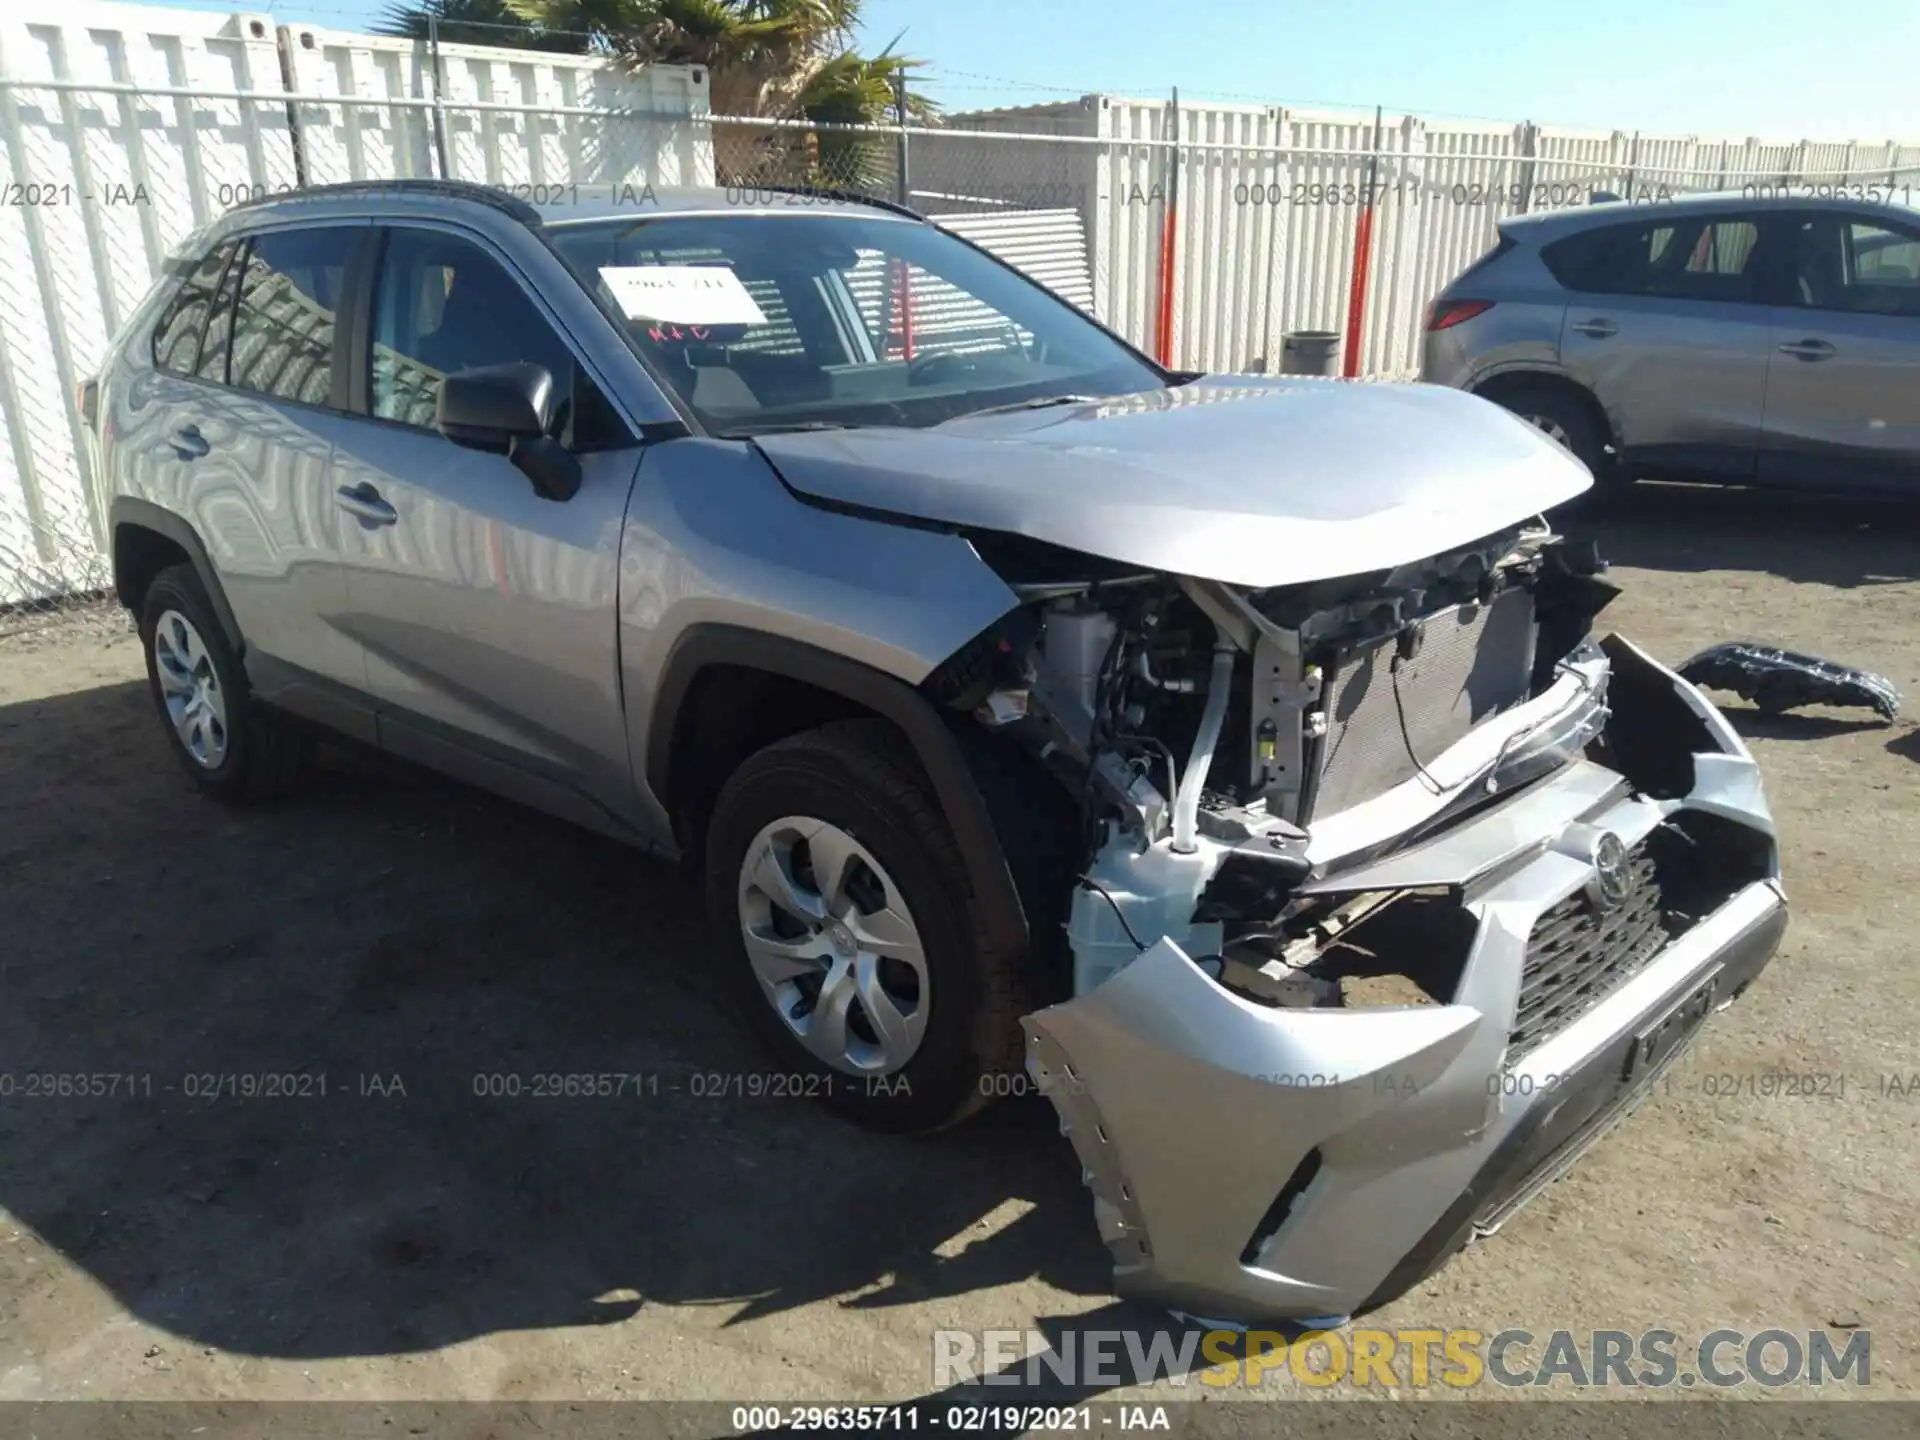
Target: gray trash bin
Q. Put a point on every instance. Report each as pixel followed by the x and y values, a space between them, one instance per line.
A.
pixel 1310 352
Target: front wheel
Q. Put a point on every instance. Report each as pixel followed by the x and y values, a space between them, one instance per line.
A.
pixel 839 897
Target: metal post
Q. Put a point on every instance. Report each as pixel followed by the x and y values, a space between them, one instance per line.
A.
pixel 1529 142
pixel 1633 166
pixel 1169 233
pixel 1362 261
pixel 439 119
pixel 900 189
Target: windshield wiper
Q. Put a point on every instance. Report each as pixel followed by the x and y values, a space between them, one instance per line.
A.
pixel 1039 403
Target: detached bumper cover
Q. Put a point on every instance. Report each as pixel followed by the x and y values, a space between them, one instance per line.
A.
pixel 1250 1163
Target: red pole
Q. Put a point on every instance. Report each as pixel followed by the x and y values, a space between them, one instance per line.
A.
pixel 1357 292
pixel 906 309
pixel 1169 233
pixel 1163 323
pixel 1362 260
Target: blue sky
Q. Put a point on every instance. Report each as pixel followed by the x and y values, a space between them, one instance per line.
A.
pixel 1780 69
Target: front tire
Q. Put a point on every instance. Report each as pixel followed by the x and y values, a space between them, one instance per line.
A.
pixel 839 897
pixel 231 747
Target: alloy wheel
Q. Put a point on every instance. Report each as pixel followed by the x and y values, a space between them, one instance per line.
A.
pixel 833 946
pixel 190 689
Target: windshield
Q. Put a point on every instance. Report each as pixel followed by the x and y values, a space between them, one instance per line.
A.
pixel 764 322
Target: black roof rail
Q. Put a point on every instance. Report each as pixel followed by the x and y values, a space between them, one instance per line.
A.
pixel 824 192
pixel 446 189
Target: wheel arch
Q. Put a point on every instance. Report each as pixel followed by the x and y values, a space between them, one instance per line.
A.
pixel 147 539
pixel 726 691
pixel 1507 382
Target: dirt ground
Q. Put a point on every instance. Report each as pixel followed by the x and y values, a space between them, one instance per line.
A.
pixel 402 1237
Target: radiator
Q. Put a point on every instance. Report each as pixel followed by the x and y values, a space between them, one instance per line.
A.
pixel 1473 661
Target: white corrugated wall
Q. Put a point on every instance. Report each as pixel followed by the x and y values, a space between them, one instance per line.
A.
pixel 98 184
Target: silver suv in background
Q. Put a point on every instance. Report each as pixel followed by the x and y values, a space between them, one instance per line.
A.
pixel 1766 339
pixel 1243 740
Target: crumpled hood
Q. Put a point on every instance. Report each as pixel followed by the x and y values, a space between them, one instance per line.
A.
pixel 1248 481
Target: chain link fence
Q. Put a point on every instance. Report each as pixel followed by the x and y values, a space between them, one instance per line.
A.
pixel 1202 234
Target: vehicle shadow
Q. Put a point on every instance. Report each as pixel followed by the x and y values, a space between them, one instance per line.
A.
pixel 397 961
pixel 1792 725
pixel 1839 540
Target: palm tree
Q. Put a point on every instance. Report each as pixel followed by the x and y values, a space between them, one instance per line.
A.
pixel 855 89
pixel 476 22
pixel 777 59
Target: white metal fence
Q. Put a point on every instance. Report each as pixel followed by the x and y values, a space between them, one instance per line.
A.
pixel 1201 233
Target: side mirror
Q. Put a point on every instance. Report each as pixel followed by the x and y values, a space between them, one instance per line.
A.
pixel 507 409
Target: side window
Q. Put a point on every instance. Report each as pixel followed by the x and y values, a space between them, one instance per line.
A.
pixel 176 336
pixel 1674 257
pixel 442 305
pixel 1882 269
pixel 283 327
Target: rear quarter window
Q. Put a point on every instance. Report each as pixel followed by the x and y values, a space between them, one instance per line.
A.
pixel 1579 261
pixel 183 319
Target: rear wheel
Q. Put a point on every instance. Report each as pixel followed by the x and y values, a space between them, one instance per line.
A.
pixel 1565 419
pixel 839 896
pixel 230 746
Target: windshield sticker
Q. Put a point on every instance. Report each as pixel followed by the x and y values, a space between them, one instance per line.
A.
pixel 682 294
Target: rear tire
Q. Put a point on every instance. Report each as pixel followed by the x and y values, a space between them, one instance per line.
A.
pixel 1563 418
pixel 232 747
pixel 820 846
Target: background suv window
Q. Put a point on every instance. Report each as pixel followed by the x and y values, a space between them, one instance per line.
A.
pixel 1669 256
pixel 176 335
pixel 283 325
pixel 442 305
pixel 1882 269
pixel 1856 265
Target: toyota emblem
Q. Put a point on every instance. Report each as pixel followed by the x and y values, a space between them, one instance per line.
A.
pixel 1612 873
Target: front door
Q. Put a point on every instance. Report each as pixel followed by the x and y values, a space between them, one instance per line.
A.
pixel 1671 333
pixel 1843 394
pixel 487 613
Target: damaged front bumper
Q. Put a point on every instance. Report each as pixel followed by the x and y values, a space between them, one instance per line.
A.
pixel 1251 1163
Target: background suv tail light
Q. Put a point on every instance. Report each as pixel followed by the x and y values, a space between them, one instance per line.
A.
pixel 1444 314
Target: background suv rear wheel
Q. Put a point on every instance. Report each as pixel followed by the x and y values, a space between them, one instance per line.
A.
pixel 1562 416
pixel 839 897
pixel 230 746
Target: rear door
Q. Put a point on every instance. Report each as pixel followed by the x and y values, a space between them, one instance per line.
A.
pixel 486 612
pixel 239 442
pixel 1669 327
pixel 1843 394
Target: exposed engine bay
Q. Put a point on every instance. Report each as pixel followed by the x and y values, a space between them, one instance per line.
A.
pixel 1204 728
pixel 1363 890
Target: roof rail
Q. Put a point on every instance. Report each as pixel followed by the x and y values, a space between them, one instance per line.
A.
pixel 447 189
pixel 824 192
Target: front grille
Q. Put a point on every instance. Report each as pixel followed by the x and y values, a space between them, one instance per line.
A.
pixel 1474 661
pixel 1578 953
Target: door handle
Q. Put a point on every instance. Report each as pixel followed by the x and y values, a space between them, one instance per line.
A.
pixel 1807 349
pixel 188 443
pixel 363 500
pixel 1598 328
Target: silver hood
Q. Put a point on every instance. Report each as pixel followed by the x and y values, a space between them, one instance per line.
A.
pixel 1249 482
